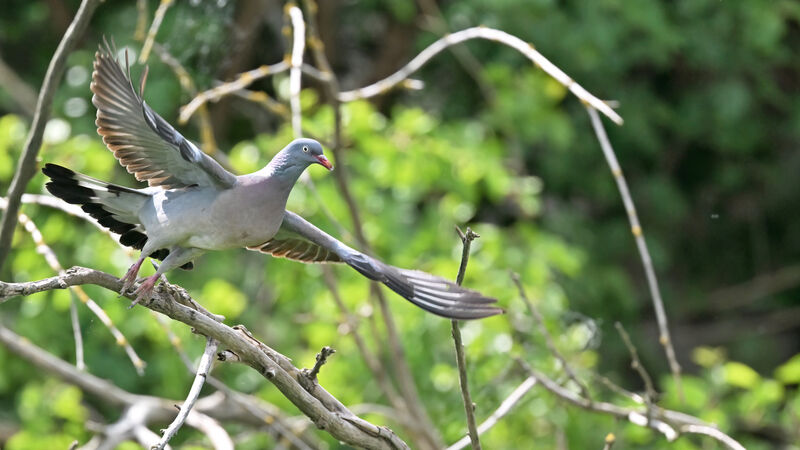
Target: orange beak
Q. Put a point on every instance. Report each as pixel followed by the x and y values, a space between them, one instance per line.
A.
pixel 324 161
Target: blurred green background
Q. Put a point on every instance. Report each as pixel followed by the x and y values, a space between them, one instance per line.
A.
pixel 710 94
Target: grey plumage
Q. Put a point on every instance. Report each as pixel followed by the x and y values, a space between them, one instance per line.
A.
pixel 194 205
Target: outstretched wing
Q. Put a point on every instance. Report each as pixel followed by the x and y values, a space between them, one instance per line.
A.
pixel 144 143
pixel 300 240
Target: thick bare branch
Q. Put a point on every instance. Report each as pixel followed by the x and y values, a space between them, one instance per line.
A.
pixel 321 407
pixel 26 166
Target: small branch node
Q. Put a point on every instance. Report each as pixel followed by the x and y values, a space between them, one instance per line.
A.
pixel 322 358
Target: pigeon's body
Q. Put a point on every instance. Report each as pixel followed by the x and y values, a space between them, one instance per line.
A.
pixel 219 223
pixel 193 205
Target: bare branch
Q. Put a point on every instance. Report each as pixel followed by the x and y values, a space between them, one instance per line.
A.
pixel 141 20
pixel 714 433
pixel 295 73
pixel 243 80
pixel 203 118
pixel 203 368
pixel 461 361
pixel 636 229
pixel 26 166
pixel 548 339
pixel 667 422
pixel 492 35
pixel 220 439
pixel 636 364
pixel 322 358
pixel 151 34
pixel 315 402
pixel 85 381
pixel 52 260
pixel 504 408
pixel 80 363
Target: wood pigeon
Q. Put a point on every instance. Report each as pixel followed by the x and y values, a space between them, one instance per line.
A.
pixel 194 205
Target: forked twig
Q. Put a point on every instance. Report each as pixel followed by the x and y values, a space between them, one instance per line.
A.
pixel 203 368
pixel 504 408
pixel 548 339
pixel 461 360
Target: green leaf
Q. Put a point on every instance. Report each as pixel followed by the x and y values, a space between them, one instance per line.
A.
pixel 740 375
pixel 789 372
pixel 708 356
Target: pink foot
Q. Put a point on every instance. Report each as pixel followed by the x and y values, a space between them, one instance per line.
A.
pixel 130 276
pixel 145 289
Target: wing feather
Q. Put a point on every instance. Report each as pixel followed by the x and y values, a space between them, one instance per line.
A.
pixel 143 142
pixel 300 240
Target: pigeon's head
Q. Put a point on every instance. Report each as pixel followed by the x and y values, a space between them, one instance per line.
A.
pixel 310 151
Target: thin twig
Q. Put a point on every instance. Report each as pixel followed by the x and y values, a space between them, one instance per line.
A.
pixel 373 363
pixel 322 358
pixel 667 422
pixel 618 389
pixel 80 363
pixel 264 412
pixel 141 20
pixel 461 361
pixel 26 166
pixel 636 229
pixel 504 408
pixel 714 433
pixel 548 338
pixel 203 369
pixel 241 81
pixel 161 11
pixel 491 34
pixel 636 364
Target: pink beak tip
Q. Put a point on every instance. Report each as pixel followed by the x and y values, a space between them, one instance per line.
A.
pixel 324 162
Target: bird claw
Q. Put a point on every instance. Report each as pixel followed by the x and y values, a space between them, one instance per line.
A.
pixel 145 290
pixel 130 277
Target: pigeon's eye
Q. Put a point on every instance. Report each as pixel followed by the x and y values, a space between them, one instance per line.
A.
pixel 305 148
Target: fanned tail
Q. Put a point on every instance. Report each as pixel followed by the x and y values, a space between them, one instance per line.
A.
pixel 115 207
